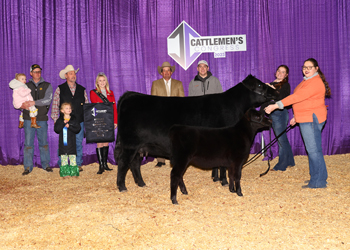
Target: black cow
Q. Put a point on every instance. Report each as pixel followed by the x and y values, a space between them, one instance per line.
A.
pixel 208 147
pixel 144 121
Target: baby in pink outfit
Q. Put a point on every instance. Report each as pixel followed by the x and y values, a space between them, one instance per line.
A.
pixel 21 94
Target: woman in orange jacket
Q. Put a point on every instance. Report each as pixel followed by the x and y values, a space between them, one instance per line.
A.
pixel 99 95
pixel 308 102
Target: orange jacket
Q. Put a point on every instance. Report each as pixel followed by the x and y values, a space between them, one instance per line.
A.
pixel 308 98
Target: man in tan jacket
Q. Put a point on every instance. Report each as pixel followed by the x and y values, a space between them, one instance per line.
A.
pixel 166 86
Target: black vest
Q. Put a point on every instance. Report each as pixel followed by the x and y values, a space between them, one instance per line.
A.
pixel 37 94
pixel 77 100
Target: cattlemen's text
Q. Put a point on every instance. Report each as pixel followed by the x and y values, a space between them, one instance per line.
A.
pixel 216 41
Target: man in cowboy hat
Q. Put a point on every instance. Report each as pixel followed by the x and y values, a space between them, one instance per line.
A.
pixel 74 93
pixel 166 86
pixel 42 95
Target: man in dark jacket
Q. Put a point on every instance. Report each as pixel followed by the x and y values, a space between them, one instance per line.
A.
pixel 42 94
pixel 204 83
pixel 74 93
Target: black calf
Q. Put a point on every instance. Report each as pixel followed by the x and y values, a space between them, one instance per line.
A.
pixel 208 147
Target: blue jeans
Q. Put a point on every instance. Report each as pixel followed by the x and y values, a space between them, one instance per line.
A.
pixel 311 132
pixel 279 124
pixel 29 144
pixel 79 144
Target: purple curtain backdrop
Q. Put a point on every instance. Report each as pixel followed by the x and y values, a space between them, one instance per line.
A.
pixel 127 41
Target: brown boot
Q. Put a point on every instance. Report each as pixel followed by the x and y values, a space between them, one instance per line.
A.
pixel 21 124
pixel 33 124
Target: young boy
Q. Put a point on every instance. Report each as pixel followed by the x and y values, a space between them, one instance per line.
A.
pixel 21 94
pixel 67 126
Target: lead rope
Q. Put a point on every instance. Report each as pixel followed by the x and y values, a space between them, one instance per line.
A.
pixel 270 156
pixel 268 146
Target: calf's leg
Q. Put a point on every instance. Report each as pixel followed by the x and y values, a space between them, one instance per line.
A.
pixel 176 180
pixel 135 168
pixel 231 180
pixel 124 160
pixel 174 183
pixel 237 177
pixel 215 174
pixel 223 178
pixel 182 186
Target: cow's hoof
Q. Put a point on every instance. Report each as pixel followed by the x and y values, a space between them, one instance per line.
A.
pixel 239 194
pixel 122 190
pixel 184 192
pixel 174 201
pixel 141 184
pixel 215 179
pixel 224 182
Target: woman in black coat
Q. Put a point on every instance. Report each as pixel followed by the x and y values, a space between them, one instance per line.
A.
pixel 280 120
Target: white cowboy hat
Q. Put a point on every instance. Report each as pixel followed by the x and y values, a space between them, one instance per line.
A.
pixel 67 69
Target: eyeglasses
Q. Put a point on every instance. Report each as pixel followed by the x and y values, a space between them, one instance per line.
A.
pixel 36 72
pixel 307 67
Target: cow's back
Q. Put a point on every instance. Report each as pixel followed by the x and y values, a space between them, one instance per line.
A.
pixel 144 120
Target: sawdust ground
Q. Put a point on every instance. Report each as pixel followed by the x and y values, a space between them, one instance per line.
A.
pixel 43 211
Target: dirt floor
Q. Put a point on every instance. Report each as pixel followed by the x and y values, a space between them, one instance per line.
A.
pixel 43 211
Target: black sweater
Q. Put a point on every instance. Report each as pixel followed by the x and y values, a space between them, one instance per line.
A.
pixel 284 91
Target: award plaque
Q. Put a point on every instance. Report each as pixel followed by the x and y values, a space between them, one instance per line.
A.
pixel 99 122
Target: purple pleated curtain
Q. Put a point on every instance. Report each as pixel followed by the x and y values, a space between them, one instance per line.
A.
pixel 127 40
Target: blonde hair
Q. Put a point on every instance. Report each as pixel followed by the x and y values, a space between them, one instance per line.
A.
pixel 96 82
pixel 65 104
pixel 18 75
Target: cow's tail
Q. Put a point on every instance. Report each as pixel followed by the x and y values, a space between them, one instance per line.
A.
pixel 117 150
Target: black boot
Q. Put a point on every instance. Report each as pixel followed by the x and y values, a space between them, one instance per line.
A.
pixel 100 161
pixel 104 158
